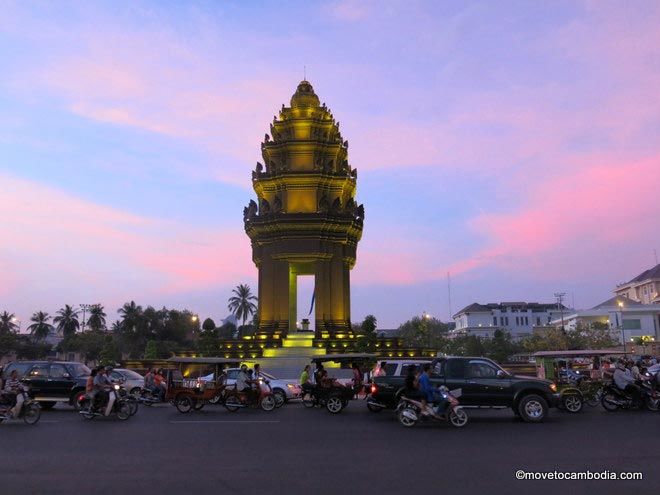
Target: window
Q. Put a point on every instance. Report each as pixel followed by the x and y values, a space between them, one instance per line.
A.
pixel 502 320
pixel 39 371
pixel 538 321
pixel 390 368
pixel 517 321
pixel 526 320
pixel 115 375
pixel 506 320
pixel 494 321
pixel 634 324
pixel 232 374
pixel 455 368
pixel 21 368
pixel 481 369
pixel 79 369
pixel 58 371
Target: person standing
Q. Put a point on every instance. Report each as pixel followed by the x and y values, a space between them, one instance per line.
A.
pixel 357 380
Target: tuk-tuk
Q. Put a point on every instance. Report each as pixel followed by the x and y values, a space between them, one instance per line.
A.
pixel 196 381
pixel 332 394
pixel 578 374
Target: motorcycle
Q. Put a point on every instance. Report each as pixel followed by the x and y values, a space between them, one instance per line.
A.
pixel 133 401
pixel 90 407
pixel 149 397
pixel 30 410
pixel 264 399
pixel 409 411
pixel 614 398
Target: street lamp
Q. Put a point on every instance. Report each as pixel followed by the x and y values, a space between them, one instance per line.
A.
pixel 623 335
pixel 85 308
pixel 16 320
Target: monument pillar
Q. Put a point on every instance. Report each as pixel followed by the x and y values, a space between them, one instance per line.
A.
pixel 305 220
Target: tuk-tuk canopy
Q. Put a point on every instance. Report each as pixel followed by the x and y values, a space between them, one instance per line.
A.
pixel 577 353
pixel 202 360
pixel 339 358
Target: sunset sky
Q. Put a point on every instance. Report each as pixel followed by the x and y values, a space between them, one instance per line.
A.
pixel 515 145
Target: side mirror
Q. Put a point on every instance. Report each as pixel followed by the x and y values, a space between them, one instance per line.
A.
pixel 501 374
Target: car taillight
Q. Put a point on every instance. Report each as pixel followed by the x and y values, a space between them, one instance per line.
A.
pixel 374 388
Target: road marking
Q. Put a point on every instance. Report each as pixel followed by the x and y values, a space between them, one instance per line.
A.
pixel 213 421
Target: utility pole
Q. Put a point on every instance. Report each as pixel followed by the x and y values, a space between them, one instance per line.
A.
pixel 85 308
pixel 559 296
pixel 449 295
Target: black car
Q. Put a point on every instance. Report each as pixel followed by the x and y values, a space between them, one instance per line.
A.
pixel 483 383
pixel 51 382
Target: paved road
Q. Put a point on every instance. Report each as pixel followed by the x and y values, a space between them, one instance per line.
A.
pixel 295 450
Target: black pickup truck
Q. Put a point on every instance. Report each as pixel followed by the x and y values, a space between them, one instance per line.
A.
pixel 483 383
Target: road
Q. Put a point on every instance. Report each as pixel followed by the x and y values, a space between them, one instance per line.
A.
pixel 296 450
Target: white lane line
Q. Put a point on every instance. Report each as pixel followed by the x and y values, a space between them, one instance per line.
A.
pixel 210 421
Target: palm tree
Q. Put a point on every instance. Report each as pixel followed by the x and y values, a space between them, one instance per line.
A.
pixel 241 303
pixel 66 321
pixel 131 315
pixel 7 324
pixel 40 328
pixel 97 316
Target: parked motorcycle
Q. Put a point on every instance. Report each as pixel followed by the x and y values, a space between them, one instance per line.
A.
pixel 236 400
pixel 409 411
pixel 30 410
pixel 614 398
pixel 90 407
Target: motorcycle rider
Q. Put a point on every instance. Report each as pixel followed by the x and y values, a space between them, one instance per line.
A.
pixel 625 381
pixel 105 389
pixel 426 389
pixel 13 387
pixel 243 380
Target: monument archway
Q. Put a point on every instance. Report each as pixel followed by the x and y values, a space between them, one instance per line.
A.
pixel 305 220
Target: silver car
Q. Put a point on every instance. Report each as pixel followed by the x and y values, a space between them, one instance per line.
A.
pixel 132 381
pixel 285 389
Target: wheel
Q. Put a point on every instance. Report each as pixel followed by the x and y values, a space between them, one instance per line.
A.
pixel 572 403
pixel 134 404
pixel 458 417
pixel 334 404
pixel 373 407
pixel 86 409
pixel 123 410
pixel 216 399
pixel 136 392
pixel 232 403
pixel 48 405
pixel 651 403
pixel 308 400
pixel 533 408
pixel 609 402
pixel 344 404
pixel 32 413
pixel 268 403
pixel 183 404
pixel 407 417
pixel 198 405
pixel 280 397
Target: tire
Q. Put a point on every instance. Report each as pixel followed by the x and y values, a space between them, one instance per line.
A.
pixel 280 397
pixel 373 408
pixel 572 403
pixel 136 392
pixel 608 401
pixel 76 400
pixel 232 403
pixel 183 404
pixel 32 413
pixel 308 400
pixel 533 408
pixel 268 403
pixel 651 404
pixel 85 412
pixel 123 410
pixel 216 399
pixel 405 420
pixel 134 404
pixel 334 404
pixel 458 417
pixel 198 405
pixel 48 405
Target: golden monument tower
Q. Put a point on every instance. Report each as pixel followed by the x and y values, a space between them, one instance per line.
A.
pixel 306 221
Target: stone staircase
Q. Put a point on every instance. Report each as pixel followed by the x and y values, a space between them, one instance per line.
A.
pixel 289 360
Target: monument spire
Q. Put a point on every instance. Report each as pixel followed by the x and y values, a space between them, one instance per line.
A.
pixel 305 220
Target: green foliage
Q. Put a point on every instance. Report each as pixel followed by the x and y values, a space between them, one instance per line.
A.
pixel 426 332
pixel 7 342
pixel 151 350
pixel 29 349
pixel 208 342
pixel 591 336
pixel 96 321
pixel 66 321
pixel 227 331
pixel 208 324
pixel 40 327
pixel 246 330
pixel 240 304
pixel 110 353
pixel 366 341
pixel 7 324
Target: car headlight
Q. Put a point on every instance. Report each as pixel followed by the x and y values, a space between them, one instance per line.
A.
pixel 553 387
pixel 291 385
pixel 116 387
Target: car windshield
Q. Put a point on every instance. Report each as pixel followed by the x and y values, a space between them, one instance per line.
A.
pixel 79 369
pixel 131 375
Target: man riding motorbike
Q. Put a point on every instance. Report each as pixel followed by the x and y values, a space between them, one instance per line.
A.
pixel 105 389
pixel 625 382
pixel 13 387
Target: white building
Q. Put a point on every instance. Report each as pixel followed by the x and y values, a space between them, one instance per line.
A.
pixel 517 318
pixel 644 288
pixel 626 318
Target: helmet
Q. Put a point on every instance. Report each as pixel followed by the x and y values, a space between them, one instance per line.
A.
pixel 108 368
